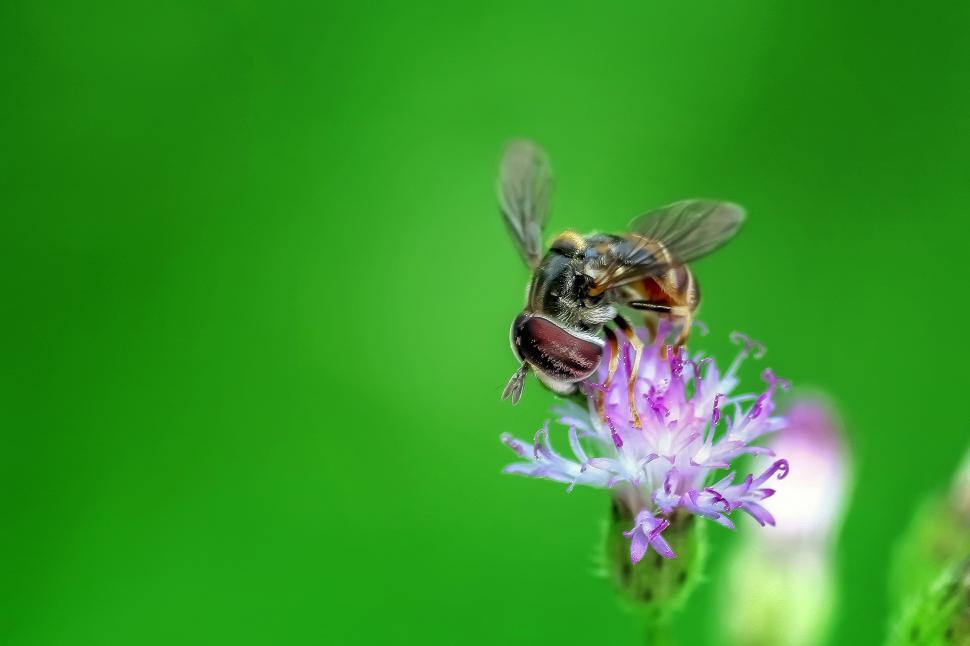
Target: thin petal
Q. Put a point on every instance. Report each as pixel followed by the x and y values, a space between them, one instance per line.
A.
pixel 759 513
pixel 638 545
pixel 662 547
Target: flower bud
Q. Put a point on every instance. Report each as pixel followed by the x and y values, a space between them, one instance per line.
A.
pixel 941 614
pixel 937 536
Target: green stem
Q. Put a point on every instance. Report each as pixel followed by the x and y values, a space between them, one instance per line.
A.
pixel 656 632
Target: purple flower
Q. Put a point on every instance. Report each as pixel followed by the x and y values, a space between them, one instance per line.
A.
pixel 692 428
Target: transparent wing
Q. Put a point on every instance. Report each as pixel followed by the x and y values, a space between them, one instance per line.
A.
pixel 691 228
pixel 669 236
pixel 524 187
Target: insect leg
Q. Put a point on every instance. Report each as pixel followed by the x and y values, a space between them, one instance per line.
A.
pixel 513 389
pixel 647 306
pixel 614 345
pixel 684 331
pixel 648 320
pixel 637 344
pixel 679 311
pixel 652 325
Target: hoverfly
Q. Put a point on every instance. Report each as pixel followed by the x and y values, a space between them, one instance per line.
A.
pixel 580 281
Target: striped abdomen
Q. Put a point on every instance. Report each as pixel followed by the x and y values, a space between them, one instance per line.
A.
pixel 674 287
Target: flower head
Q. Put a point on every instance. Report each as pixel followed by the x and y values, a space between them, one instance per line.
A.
pixel 693 426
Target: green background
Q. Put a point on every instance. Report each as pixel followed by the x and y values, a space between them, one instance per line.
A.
pixel 256 296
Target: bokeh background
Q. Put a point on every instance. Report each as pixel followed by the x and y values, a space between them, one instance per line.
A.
pixel 256 296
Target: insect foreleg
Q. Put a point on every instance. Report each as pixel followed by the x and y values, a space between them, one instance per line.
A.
pixel 679 311
pixel 649 321
pixel 685 330
pixel 614 345
pixel 637 345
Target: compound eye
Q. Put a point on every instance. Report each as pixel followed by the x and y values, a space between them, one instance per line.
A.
pixel 553 350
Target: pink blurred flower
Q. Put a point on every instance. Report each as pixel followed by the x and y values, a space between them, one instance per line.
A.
pixel 816 493
pixel 781 583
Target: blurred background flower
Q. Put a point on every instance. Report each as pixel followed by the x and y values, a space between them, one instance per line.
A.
pixel 781 585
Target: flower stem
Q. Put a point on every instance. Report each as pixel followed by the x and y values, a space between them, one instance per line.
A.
pixel 656 632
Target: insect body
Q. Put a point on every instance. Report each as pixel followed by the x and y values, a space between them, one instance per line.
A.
pixel 579 283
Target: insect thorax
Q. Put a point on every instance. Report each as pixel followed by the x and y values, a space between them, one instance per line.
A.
pixel 560 289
